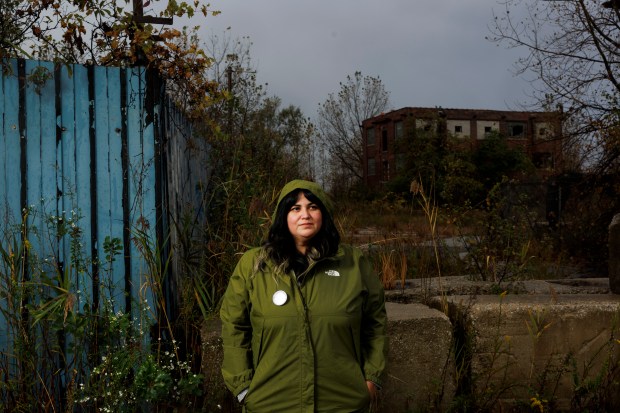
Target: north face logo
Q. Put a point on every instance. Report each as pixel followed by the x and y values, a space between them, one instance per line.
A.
pixel 332 273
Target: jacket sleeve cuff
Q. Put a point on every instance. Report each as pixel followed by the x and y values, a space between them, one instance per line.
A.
pixel 240 387
pixel 241 395
pixel 376 380
pixel 377 385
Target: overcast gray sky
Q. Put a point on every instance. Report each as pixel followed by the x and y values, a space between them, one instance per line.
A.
pixel 427 52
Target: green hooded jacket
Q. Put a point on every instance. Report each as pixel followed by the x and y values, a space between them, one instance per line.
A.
pixel 314 351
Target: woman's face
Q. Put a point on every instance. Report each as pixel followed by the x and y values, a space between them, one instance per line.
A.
pixel 304 221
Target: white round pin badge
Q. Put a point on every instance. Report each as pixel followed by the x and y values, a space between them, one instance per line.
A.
pixel 279 297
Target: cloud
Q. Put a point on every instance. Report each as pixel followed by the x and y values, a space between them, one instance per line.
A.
pixel 427 52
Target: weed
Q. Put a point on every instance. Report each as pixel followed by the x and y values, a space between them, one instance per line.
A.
pixel 499 246
pixel 60 351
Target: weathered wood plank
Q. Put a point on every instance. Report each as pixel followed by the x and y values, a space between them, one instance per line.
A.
pixel 109 288
pixel 49 165
pixel 146 190
pixel 67 144
pixel 10 191
pixel 101 209
pixel 82 165
pixel 32 137
pixel 134 143
pixel 115 171
pixel 48 197
pixel 10 185
pixel 141 175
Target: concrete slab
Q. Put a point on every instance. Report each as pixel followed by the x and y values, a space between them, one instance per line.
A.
pixel 560 348
pixel 420 364
pixel 419 370
pixel 556 342
pixel 417 290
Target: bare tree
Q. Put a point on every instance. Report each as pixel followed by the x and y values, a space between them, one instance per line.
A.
pixel 298 131
pixel 339 124
pixel 233 69
pixel 254 136
pixel 574 58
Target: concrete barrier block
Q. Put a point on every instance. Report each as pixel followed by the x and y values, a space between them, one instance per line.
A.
pixel 419 374
pixel 420 364
pixel 218 398
pixel 561 350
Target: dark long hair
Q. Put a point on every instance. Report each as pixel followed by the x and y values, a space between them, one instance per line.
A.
pixel 280 244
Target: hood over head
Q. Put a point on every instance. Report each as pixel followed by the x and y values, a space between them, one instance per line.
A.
pixel 310 186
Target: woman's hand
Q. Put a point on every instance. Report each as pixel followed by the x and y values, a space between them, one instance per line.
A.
pixel 372 390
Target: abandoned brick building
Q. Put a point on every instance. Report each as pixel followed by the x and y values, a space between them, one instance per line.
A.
pixel 537 133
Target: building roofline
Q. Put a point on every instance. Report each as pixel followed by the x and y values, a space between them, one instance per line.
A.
pixel 404 111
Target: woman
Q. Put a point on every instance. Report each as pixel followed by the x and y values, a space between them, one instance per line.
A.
pixel 303 317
